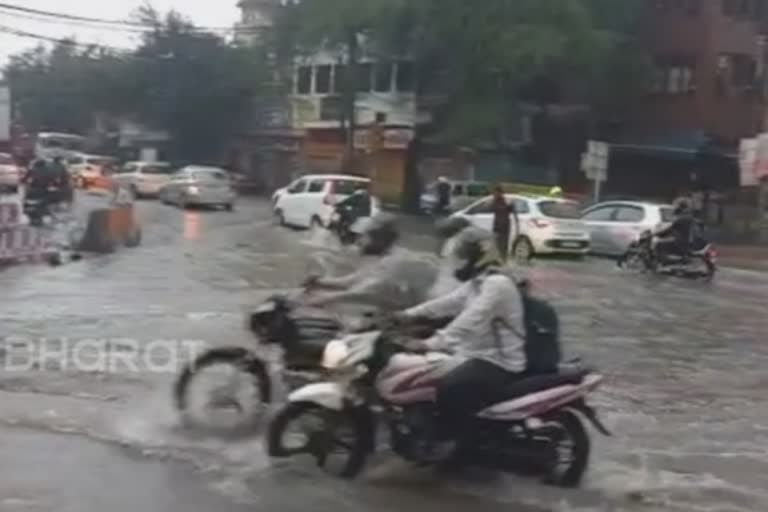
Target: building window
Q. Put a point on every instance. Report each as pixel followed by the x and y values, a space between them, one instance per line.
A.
pixel 674 77
pixel 687 7
pixel 304 80
pixel 364 77
pixel 744 9
pixel 406 78
pixel 735 72
pixel 383 78
pixel 323 79
pixel 339 78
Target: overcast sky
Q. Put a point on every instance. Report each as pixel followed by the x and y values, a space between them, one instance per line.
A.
pixel 209 13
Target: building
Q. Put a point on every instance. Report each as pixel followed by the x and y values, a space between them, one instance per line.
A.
pixel 707 92
pixel 385 111
pixel 306 131
pixel 257 17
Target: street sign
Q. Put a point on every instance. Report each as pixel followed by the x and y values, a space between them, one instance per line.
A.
pixel 748 162
pixel 594 163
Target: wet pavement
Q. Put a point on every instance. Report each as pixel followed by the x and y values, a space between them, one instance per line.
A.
pixel 684 360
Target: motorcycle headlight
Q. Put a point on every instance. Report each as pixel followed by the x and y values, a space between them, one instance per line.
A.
pixel 334 354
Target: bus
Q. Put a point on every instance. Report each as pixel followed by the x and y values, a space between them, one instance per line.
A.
pixel 48 145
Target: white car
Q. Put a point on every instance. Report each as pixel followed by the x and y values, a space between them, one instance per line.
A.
pixel 10 174
pixel 144 179
pixel 309 201
pixel 547 225
pixel 614 225
pixel 199 186
pixel 88 170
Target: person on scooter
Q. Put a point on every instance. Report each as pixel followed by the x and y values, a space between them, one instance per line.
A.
pixel 355 207
pixel 488 303
pixel 392 279
pixel 677 238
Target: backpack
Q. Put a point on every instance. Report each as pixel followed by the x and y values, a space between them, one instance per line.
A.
pixel 542 336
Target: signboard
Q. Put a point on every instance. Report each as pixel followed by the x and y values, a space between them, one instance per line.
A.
pixel 5 113
pixel 747 162
pixel 594 163
pixel 391 138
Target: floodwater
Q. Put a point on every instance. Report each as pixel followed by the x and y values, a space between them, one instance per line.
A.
pixel 684 363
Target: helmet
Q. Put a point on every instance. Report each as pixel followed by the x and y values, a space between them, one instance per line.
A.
pixel 474 252
pixel 682 206
pixel 452 226
pixel 378 235
pixel 556 192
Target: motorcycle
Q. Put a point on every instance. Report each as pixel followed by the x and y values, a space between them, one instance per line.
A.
pixel 341 225
pixel 701 262
pixel 534 428
pixel 274 323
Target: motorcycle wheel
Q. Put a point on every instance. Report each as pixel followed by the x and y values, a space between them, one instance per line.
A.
pixel 572 449
pixel 343 457
pixel 238 359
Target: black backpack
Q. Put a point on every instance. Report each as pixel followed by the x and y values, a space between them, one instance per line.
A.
pixel 542 337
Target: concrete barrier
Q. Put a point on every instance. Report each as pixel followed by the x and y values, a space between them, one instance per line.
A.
pixel 10 215
pixel 24 242
pixel 109 228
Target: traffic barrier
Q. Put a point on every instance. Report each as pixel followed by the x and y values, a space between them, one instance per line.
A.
pixel 10 215
pixel 109 228
pixel 24 242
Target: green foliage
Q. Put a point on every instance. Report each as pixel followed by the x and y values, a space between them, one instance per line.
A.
pixel 180 79
pixel 481 56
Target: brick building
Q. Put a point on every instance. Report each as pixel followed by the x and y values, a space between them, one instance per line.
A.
pixel 707 92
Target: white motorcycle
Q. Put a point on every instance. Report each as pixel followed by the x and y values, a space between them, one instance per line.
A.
pixel 535 428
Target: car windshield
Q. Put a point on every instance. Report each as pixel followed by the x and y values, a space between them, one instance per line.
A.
pixel 6 159
pixel 100 160
pixel 560 209
pixel 478 190
pixel 209 175
pixel 346 187
pixel 667 214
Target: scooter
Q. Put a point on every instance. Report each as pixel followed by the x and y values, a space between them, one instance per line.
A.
pixel 701 262
pixel 535 427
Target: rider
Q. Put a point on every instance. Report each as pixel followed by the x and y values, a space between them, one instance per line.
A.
pixel 392 279
pixel 677 238
pixel 355 207
pixel 488 300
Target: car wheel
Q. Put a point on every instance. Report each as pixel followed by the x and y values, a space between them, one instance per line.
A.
pixel 229 207
pixel 523 249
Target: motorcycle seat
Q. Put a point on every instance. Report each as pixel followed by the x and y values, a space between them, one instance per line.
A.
pixel 537 383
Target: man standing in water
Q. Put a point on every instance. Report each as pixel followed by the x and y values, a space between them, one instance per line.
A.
pixel 502 225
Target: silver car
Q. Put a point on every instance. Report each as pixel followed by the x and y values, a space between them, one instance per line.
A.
pixel 614 225
pixel 199 186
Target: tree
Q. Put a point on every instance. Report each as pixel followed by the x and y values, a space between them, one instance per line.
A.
pixel 183 80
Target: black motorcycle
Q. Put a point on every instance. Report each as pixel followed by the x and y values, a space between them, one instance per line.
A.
pixel 302 339
pixel 700 262
pixel 341 224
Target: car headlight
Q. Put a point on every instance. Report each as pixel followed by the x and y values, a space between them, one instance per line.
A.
pixel 334 354
pixel 193 190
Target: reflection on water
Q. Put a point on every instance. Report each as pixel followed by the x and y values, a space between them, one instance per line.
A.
pixel 191 226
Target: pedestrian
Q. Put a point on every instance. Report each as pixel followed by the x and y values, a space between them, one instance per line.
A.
pixel 443 191
pixel 502 225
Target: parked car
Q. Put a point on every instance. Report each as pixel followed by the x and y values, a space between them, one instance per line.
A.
pixel 614 225
pixel 199 186
pixel 463 193
pixel 144 179
pixel 90 170
pixel 10 174
pixel 546 225
pixel 310 200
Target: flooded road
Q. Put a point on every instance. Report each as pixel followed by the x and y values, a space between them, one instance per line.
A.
pixel 684 395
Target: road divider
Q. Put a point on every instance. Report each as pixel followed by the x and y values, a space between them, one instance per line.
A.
pixel 110 228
